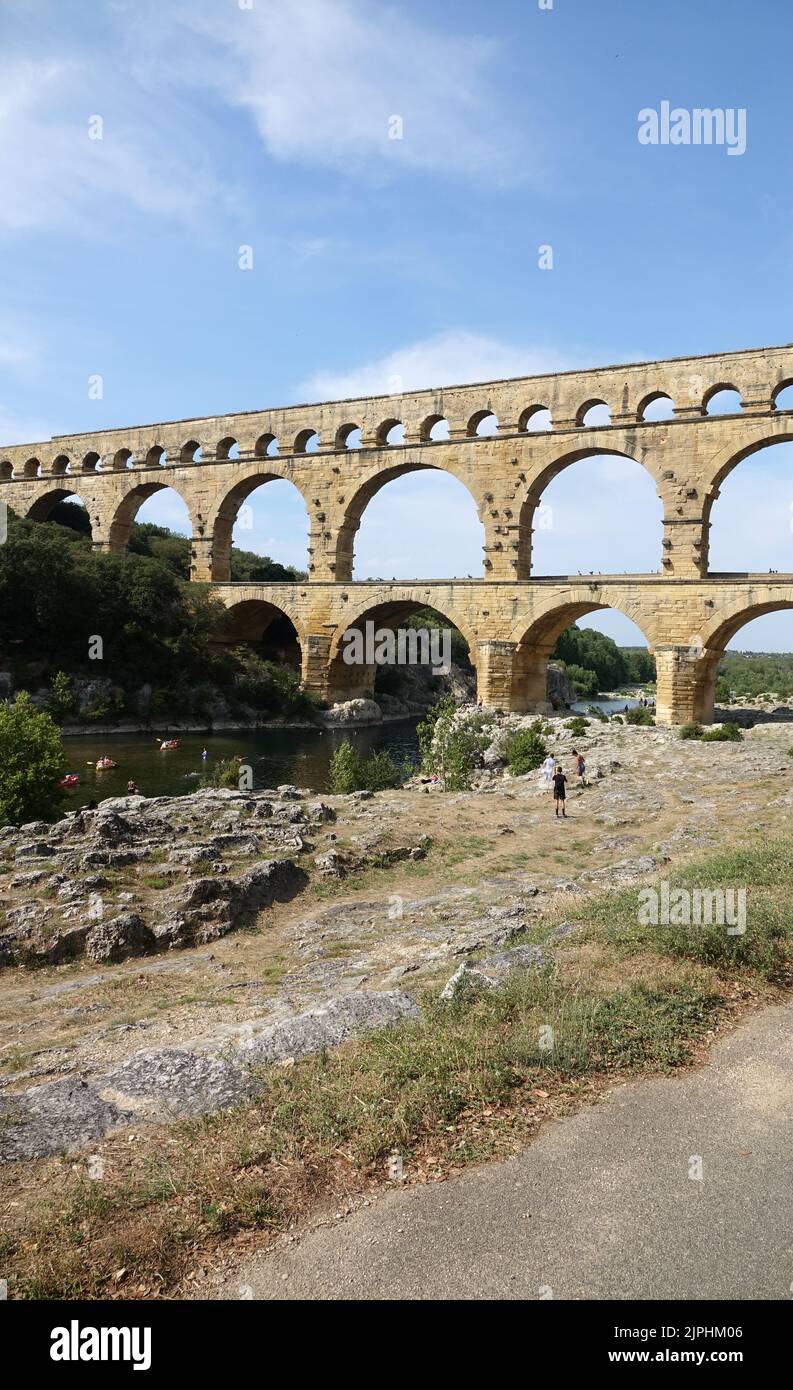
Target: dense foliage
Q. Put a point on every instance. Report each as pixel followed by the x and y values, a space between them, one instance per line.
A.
pixel 594 662
pixel 755 673
pixel 130 619
pixel 32 762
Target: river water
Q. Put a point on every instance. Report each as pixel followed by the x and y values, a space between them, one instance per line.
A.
pixel 299 756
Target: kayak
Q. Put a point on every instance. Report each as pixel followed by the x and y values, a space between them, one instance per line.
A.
pixel 69 781
pixel 104 764
pixel 168 743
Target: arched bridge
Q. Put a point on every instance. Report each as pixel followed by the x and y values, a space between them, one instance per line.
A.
pixel 505 441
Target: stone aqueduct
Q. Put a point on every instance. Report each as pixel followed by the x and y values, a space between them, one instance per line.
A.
pixel 510 618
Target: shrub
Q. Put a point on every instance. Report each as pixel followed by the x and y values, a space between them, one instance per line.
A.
pixel 598 713
pixel 525 750
pixel 723 733
pixel 640 716
pixel 349 772
pixel 691 731
pixel 577 725
pixel 32 761
pixel 452 743
pixel 226 773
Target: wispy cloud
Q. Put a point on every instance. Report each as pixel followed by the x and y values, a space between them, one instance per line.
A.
pixel 52 173
pixel 445 359
pixel 322 80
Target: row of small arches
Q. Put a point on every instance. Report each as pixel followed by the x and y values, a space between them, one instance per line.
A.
pixel 719 400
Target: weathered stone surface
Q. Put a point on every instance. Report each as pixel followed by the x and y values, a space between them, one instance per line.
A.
pixel 328 1026
pixel 58 1115
pixel 123 936
pixel 160 1084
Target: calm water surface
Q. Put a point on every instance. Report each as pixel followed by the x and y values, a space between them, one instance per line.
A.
pixel 300 756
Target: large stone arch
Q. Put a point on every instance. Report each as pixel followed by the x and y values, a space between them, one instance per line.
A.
pixel 355 506
pixel 544 472
pixel 533 642
pixel 221 525
pixel 727 460
pixel 125 508
pixel 349 681
pixel 709 645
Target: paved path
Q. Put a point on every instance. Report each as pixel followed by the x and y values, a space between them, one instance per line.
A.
pixel 601 1206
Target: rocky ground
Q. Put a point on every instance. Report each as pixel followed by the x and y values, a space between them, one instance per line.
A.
pixel 154 949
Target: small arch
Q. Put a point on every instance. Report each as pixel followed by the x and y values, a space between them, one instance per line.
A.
pixel 6 468
pixel 593 414
pixel 156 457
pixel 722 399
pixel 90 463
pixel 190 452
pixel 32 468
pixel 391 431
pixel 535 418
pixel 482 422
pixel 656 406
pixel 123 459
pixel 782 398
pixel 60 466
pixel 306 442
pixel 348 437
pixel 434 429
pixel 228 448
pixel 266 446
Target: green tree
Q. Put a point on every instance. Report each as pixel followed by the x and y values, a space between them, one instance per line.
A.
pixel 61 700
pixel 32 761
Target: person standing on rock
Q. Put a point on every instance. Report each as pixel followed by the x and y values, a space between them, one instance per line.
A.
pixel 548 769
pixel 559 795
pixel 580 766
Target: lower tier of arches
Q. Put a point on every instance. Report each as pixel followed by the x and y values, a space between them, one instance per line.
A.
pixel 510 630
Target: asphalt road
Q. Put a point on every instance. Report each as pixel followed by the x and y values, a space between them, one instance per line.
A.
pixel 601 1206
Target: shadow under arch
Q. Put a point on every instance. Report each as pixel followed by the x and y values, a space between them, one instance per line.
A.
pixel 349 680
pixel 266 627
pixel 355 508
pixel 228 511
pixel 534 645
pixel 45 504
pixel 128 508
pixel 535 513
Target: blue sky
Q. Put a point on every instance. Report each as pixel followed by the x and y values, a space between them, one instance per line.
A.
pixel 267 125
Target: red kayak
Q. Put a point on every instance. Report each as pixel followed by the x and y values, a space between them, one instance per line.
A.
pixel 70 781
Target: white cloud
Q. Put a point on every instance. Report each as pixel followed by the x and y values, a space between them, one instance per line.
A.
pixel 322 80
pixel 52 173
pixel 446 359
